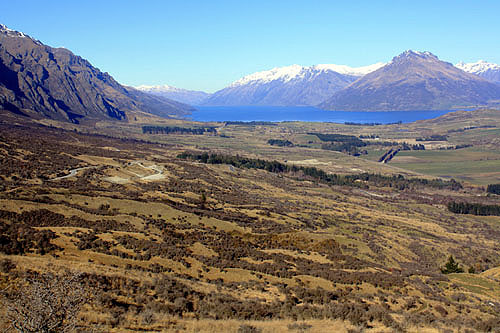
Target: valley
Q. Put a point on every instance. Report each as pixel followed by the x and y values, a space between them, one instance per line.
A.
pixel 168 242
pixel 119 214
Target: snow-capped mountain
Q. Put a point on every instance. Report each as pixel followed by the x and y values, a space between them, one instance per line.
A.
pixel 294 72
pixel 191 97
pixel 486 70
pixel 290 85
pixel 13 33
pixel 414 81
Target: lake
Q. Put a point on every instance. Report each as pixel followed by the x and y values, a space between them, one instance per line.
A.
pixel 306 113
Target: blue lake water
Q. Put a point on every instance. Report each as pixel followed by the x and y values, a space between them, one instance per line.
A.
pixel 306 113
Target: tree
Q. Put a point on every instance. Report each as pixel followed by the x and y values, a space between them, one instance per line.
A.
pixel 46 303
pixel 451 266
pixel 203 200
pixel 493 188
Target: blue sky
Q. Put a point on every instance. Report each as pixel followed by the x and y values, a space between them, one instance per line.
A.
pixel 205 45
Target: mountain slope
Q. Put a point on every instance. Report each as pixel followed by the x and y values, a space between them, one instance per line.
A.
pixel 291 85
pixel 192 97
pixel 53 82
pixel 414 81
pixel 486 70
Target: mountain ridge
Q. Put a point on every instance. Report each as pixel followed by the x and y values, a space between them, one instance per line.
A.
pixel 414 80
pixel 288 73
pixel 191 97
pixel 293 85
pixel 484 69
pixel 38 80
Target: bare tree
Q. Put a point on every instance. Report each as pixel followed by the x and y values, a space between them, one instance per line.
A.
pixel 46 303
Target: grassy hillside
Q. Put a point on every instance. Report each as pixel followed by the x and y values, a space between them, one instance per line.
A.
pixel 171 244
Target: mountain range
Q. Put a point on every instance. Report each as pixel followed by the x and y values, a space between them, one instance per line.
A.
pixel 191 97
pixel 486 70
pixel 291 85
pixel 41 81
pixel 442 86
pixel 414 81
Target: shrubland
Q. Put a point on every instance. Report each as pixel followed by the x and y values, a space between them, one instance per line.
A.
pixel 156 236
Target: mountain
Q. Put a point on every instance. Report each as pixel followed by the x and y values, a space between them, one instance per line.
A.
pixel 39 80
pixel 291 85
pixel 486 70
pixel 192 97
pixel 414 81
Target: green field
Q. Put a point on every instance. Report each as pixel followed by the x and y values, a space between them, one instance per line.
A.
pixel 477 166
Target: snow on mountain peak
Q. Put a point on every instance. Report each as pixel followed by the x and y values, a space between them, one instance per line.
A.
pixel 10 32
pixel 158 88
pixel 419 53
pixel 411 54
pixel 288 73
pixel 346 70
pixel 191 97
pixel 3 27
pixel 478 67
pixel 284 74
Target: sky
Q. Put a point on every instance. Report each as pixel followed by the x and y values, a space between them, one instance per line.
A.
pixel 206 45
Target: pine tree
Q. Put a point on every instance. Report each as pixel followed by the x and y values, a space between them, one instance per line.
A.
pixel 451 266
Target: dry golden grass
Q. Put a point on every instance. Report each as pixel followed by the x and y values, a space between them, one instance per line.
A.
pixel 492 273
pixel 384 229
pixel 213 326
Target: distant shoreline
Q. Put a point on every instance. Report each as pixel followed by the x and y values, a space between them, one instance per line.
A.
pixel 309 114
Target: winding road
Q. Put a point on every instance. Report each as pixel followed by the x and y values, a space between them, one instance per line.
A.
pixel 158 169
pixel 73 172
pixel 154 167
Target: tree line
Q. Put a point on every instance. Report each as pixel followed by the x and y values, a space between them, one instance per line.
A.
pixel 469 128
pixel 473 208
pixel 340 142
pixel 396 181
pixel 403 145
pixel 339 138
pixel 435 137
pixel 342 147
pixel 493 188
pixel 280 143
pixel 350 143
pixel 177 130
pixel 455 147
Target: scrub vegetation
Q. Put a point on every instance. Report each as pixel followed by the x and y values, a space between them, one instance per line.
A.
pixel 121 231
